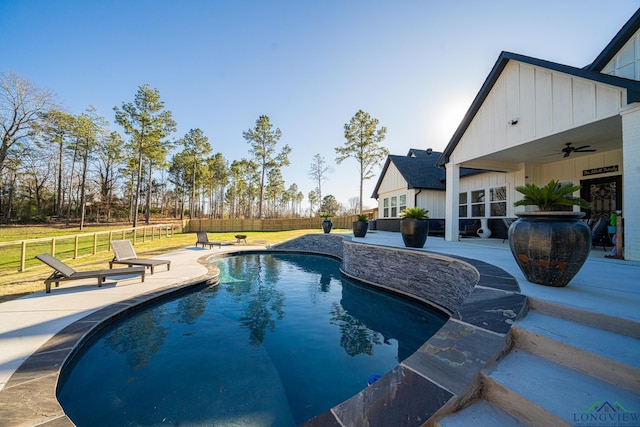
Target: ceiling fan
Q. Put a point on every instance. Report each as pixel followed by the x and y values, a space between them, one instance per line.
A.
pixel 569 149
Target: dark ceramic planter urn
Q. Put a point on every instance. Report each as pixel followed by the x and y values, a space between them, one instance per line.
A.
pixel 550 247
pixel 414 232
pixel 360 228
pixel 326 226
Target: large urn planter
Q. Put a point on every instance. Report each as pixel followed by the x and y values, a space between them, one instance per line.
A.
pixel 414 232
pixel 327 225
pixel 360 228
pixel 550 247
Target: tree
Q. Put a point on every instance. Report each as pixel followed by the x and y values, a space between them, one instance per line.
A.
pixel 317 172
pixel 363 144
pixel 219 178
pixel 110 157
pixel 263 140
pixel 89 129
pixel 21 107
pixel 196 147
pixel 148 123
pixel 313 201
pixel 330 204
pixel 57 129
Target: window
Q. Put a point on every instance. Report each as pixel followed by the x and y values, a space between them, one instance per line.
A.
pixel 385 208
pixel 403 202
pixel 462 202
pixel 477 203
pixel 498 201
pixel 394 207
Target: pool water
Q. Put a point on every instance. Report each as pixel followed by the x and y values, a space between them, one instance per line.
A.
pixel 283 338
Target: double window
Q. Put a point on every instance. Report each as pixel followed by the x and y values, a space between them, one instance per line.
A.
pixel 475 204
pixel 393 206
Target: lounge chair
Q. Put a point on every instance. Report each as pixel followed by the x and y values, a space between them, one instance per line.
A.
pixel 123 253
pixel 63 272
pixel 203 239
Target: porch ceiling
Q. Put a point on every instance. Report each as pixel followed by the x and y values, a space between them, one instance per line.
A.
pixel 604 135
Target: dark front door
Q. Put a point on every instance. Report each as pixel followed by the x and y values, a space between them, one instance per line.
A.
pixel 604 194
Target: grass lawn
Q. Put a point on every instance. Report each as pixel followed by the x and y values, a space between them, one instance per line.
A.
pixel 14 284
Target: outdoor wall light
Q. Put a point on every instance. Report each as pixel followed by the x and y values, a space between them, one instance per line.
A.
pixel 513 121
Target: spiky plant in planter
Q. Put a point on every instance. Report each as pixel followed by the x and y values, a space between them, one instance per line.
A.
pixel 414 226
pixel 360 225
pixel 550 245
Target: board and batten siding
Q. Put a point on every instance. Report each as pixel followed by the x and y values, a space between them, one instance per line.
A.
pixel 543 101
pixel 393 181
pixel 433 201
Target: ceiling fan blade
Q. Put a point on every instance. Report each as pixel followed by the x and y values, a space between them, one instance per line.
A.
pixel 585 151
pixel 566 154
pixel 581 148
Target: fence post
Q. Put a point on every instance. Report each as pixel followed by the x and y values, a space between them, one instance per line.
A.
pixel 95 243
pixel 23 255
pixel 75 248
pixel 53 246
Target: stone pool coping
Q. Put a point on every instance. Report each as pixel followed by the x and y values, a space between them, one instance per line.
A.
pixel 443 375
pixel 29 396
pixel 440 376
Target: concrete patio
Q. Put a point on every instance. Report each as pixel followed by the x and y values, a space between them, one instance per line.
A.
pixel 607 289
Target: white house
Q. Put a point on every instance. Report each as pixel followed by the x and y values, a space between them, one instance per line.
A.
pixel 534 120
pixel 415 180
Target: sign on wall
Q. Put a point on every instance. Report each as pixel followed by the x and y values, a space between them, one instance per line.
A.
pixel 597 171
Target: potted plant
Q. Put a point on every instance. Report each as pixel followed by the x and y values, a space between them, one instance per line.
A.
pixel 326 223
pixel 550 245
pixel 360 225
pixel 414 227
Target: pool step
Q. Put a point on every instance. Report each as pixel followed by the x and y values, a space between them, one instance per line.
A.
pixel 562 368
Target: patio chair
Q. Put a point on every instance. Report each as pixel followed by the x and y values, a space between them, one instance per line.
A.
pixel 123 253
pixel 203 239
pixel 469 227
pixel 63 272
pixel 599 233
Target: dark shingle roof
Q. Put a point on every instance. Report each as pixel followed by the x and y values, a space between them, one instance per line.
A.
pixel 420 169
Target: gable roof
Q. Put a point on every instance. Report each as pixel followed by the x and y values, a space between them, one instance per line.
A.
pixel 632 87
pixel 626 32
pixel 420 169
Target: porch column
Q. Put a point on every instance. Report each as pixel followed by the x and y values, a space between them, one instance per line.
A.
pixel 630 179
pixel 451 230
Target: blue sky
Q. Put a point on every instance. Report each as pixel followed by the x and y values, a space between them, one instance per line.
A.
pixel 308 65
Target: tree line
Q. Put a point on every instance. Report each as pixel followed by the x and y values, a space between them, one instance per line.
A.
pixel 66 167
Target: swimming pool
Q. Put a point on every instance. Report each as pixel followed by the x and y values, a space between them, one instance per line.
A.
pixel 283 338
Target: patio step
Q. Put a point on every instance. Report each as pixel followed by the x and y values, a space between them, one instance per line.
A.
pixel 538 391
pixel 481 414
pixel 562 370
pixel 602 354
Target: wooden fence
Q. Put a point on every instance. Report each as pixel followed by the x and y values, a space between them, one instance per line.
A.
pixel 226 225
pixel 19 255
